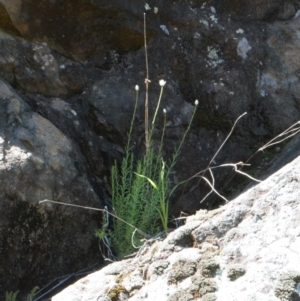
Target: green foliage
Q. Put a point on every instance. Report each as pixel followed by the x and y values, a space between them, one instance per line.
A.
pixel 32 293
pixel 134 200
pixel 11 296
pixel 140 191
pixel 140 188
pixel 104 231
pixel 162 208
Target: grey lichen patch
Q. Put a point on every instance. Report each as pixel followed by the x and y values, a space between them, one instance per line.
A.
pixel 203 285
pixel 36 160
pixel 208 265
pixel 157 268
pixel 285 289
pixel 203 282
pixel 231 235
pixel 182 295
pixel 209 297
pixel 243 47
pixel 236 271
pixel 208 285
pixel 134 281
pixel 116 268
pixel 14 109
pixel 182 269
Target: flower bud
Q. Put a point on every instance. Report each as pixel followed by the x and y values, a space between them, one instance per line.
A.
pixel 162 82
pixel 137 87
pixel 196 102
pixel 165 111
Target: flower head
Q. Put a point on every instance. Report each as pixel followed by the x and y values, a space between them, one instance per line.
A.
pixel 196 102
pixel 165 111
pixel 137 87
pixel 147 7
pixel 162 82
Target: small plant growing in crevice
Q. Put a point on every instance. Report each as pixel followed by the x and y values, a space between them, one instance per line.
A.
pixel 141 188
pixel 11 296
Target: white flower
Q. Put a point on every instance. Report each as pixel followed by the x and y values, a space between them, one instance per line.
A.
pixel 137 87
pixel 196 102
pixel 162 82
pixel 165 111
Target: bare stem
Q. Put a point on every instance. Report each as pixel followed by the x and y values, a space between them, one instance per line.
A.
pixel 215 155
pixel 288 133
pixel 97 209
pixel 147 81
pixel 201 174
pixel 157 107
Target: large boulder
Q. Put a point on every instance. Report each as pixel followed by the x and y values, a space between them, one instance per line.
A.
pixel 68 70
pixel 246 250
pixel 41 70
pixel 38 162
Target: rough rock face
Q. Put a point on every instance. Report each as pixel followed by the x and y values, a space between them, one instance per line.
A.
pixel 67 72
pixel 39 162
pixel 246 250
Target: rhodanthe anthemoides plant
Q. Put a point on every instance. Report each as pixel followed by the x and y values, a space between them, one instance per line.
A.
pixel 141 188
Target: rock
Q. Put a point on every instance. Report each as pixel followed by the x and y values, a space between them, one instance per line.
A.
pixel 257 240
pixel 260 10
pixel 287 287
pixel 41 70
pixel 71 67
pixel 243 47
pixel 181 270
pixel 227 64
pixel 74 31
pixel 38 162
pixel 235 271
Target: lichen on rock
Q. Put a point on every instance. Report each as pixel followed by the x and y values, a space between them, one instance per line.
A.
pixel 285 289
pixel 235 271
pixel 181 270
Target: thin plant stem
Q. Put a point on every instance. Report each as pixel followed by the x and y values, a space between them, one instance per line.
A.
pixel 201 174
pixel 133 117
pixel 97 209
pixel 157 107
pixel 219 149
pixel 177 152
pixel 163 134
pixel 288 133
pixel 221 146
pixel 164 202
pixel 147 81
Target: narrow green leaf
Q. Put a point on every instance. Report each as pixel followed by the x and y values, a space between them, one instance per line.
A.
pixel 149 180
